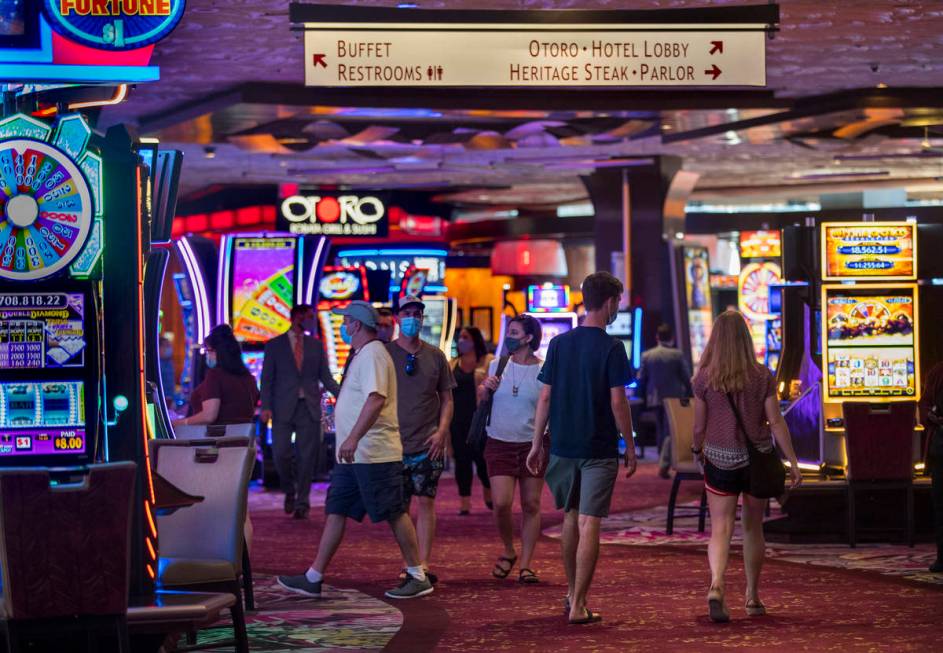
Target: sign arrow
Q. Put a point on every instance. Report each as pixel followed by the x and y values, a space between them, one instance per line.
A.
pixel 318 60
pixel 714 71
pixel 717 46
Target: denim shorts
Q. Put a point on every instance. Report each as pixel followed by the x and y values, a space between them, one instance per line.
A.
pixel 359 489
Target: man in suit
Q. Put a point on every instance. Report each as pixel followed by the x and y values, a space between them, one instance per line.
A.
pixel 666 374
pixel 291 398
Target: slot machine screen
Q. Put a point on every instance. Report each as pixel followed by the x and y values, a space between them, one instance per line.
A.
pixel 875 250
pixel 433 321
pixel 263 284
pixel 42 330
pixel 253 360
pixel 42 418
pixel 342 285
pixel 551 327
pixel 548 299
pixel 870 343
pixel 622 329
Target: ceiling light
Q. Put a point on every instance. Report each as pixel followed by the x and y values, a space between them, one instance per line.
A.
pixel 666 128
pixel 209 152
pixel 882 85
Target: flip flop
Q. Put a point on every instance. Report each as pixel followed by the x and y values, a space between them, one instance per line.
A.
pixel 716 608
pixel 755 608
pixel 590 618
pixel 527 576
pixel 500 572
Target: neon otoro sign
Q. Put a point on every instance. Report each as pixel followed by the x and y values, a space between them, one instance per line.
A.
pixel 114 24
pixel 334 215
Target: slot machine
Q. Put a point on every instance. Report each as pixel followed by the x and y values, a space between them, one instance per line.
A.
pixel 693 303
pixel 549 304
pixel 439 322
pixel 627 329
pixel 761 269
pixel 74 233
pixel 339 286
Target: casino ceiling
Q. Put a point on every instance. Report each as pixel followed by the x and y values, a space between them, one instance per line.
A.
pixel 853 100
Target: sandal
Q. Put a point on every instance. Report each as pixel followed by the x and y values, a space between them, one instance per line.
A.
pixel 527 576
pixel 590 618
pixel 716 608
pixel 755 608
pixel 499 571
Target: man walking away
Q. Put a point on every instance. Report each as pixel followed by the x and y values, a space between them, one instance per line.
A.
pixel 666 374
pixel 583 398
pixel 291 398
pixel 424 385
pixel 368 479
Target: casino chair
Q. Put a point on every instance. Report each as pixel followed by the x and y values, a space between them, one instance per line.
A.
pixel 680 414
pixel 880 455
pixel 65 555
pixel 201 547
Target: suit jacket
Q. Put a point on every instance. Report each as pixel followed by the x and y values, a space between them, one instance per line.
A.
pixel 281 378
pixel 666 374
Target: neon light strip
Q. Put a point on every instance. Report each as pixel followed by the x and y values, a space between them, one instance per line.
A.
pixel 195 272
pixel 316 265
pixel 76 74
pixel 142 381
pixel 299 271
pixel 118 98
pixel 392 252
pixel 637 338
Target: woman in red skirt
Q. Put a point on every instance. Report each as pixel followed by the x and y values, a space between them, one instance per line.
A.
pixel 510 434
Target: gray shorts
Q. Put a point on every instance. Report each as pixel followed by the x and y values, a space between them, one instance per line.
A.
pixel 583 484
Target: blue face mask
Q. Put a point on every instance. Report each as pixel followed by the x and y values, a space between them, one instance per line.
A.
pixel 345 335
pixel 410 326
pixel 211 359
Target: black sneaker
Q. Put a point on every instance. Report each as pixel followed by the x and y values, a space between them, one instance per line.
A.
pixel 300 585
pixel 301 512
pixel 411 588
pixel 937 566
pixel 404 574
pixel 289 504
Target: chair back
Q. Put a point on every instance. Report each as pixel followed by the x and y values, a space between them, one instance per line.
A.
pixel 189 431
pixel 879 440
pixel 65 549
pixel 680 414
pixel 217 469
pixel 243 430
pixel 195 431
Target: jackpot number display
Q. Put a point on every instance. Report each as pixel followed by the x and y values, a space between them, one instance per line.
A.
pixel 46 210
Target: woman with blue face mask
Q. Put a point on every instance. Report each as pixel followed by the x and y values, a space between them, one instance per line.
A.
pixel 510 435
pixel 228 393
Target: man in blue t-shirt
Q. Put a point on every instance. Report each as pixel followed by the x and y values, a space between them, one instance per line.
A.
pixel 584 400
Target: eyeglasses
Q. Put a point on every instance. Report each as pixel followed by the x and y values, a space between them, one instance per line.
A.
pixel 410 367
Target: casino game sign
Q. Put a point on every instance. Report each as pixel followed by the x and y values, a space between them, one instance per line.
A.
pixel 114 24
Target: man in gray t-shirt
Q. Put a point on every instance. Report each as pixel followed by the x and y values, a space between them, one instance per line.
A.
pixel 424 385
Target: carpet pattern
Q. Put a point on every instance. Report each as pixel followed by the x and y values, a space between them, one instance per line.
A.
pixel 343 620
pixel 651 596
pixel 647 528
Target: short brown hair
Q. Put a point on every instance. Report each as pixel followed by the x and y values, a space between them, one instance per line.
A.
pixel 598 288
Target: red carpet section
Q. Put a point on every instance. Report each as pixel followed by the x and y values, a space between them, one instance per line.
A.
pixel 652 597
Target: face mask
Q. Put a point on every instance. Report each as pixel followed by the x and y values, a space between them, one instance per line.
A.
pixel 613 316
pixel 410 326
pixel 211 359
pixel 345 335
pixel 512 344
pixel 465 346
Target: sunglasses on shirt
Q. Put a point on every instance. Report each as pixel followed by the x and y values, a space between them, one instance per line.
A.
pixel 410 366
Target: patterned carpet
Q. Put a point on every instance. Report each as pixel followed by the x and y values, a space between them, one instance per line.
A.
pixel 651 592
pixel 343 620
pixel 647 528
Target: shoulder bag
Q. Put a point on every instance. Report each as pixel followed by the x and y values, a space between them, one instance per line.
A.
pixel 478 434
pixel 767 474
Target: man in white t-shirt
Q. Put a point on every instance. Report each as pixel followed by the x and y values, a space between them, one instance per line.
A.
pixel 368 478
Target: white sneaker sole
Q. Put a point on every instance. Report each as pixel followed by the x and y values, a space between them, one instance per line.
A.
pixel 296 590
pixel 411 596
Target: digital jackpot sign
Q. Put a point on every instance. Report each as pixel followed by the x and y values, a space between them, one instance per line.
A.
pixel 548 298
pixel 870 342
pixel 869 250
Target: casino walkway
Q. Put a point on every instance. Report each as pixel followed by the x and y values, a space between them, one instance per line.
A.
pixel 651 593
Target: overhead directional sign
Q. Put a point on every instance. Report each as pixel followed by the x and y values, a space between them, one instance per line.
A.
pixel 458 48
pixel 555 58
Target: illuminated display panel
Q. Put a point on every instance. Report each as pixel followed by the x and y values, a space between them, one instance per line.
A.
pixel 253 360
pixel 433 320
pixel 337 350
pixel 870 342
pixel 548 299
pixel 622 329
pixel 42 330
pixel 869 250
pixel 760 244
pixel 697 294
pixel 340 285
pixel 552 326
pixel 263 282
pixel 42 418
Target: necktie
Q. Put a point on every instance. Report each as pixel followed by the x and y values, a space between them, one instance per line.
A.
pixel 299 350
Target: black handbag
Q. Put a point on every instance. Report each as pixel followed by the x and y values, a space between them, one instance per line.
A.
pixel 478 434
pixel 767 473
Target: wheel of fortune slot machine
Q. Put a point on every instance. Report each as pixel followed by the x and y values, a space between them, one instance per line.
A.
pixel 70 308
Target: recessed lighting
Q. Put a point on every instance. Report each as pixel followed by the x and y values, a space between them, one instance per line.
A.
pixel 666 128
pixel 209 152
pixel 882 85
